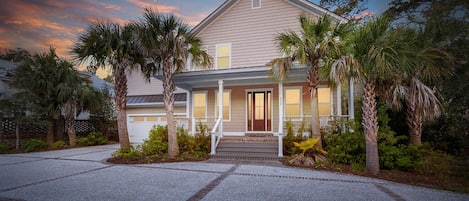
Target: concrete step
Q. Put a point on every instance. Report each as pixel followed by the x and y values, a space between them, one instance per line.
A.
pixel 246 150
pixel 241 155
pixel 249 139
pixel 259 135
pixel 247 145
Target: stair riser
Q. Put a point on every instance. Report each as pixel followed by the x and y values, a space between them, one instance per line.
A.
pixel 248 150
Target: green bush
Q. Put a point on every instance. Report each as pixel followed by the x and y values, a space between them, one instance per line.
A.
pixel 186 142
pixel 33 145
pixel 157 142
pixel 4 147
pixel 289 139
pixel 93 138
pixel 128 153
pixel 349 148
pixel 202 139
pixel 58 145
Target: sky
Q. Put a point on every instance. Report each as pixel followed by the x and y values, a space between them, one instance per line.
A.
pixel 36 25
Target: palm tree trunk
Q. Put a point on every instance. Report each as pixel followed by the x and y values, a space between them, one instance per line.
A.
pixel 414 121
pixel 70 122
pixel 121 100
pixel 168 93
pixel 50 132
pixel 17 133
pixel 313 84
pixel 370 127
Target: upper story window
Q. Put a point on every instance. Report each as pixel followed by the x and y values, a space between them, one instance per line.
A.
pixel 293 102
pixel 223 56
pixel 256 3
pixel 324 101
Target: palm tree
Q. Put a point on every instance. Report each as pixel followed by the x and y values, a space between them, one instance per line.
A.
pixel 168 43
pixel 110 44
pixel 319 40
pixel 376 53
pixel 426 67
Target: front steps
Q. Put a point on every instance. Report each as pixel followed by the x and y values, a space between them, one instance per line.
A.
pixel 257 147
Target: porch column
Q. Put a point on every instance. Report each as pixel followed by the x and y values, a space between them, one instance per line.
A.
pixel 189 112
pixel 351 103
pixel 220 105
pixel 339 100
pixel 280 119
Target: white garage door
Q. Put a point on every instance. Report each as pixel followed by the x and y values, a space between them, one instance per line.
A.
pixel 140 126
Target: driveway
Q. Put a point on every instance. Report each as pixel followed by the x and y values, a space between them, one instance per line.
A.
pixel 83 174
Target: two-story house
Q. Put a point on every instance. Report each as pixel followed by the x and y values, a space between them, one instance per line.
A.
pixel 240 36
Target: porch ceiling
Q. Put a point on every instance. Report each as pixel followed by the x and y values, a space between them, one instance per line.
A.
pixel 233 77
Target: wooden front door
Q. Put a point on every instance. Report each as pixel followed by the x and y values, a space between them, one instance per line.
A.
pixel 259 111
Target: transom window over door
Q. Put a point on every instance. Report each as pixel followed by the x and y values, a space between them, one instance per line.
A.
pixel 223 55
pixel 293 103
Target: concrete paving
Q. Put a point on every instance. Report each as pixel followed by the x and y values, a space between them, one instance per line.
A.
pixel 83 174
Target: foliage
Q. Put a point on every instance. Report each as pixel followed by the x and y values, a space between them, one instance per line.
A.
pixel 33 145
pixel 59 145
pixel 128 152
pixel 14 55
pixel 157 142
pixel 4 147
pixel 202 138
pixel 345 7
pixel 93 138
pixel 103 116
pixel 289 139
pixel 349 148
pixel 309 144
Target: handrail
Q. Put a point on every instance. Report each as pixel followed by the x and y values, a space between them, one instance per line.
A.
pixel 215 141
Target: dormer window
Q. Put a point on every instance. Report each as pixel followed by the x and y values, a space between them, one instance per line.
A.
pixel 256 3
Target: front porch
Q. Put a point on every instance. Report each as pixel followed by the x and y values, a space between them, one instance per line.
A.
pixel 252 103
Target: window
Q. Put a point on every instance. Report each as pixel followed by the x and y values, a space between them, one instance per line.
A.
pixel 256 3
pixel 223 56
pixel 197 67
pixel 324 101
pixel 200 105
pixel 226 105
pixel 293 102
pixel 138 119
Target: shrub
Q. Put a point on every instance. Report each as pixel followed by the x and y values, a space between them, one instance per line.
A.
pixel 202 139
pixel 33 145
pixel 186 142
pixel 4 147
pixel 128 153
pixel 157 142
pixel 93 138
pixel 59 145
pixel 347 148
pixel 289 139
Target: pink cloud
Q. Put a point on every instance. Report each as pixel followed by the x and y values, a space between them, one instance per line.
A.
pixel 158 7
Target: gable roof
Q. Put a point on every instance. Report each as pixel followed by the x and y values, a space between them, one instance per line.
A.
pixel 302 4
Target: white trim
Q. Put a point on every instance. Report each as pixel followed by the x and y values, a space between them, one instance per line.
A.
pixel 206 103
pixel 229 105
pixel 252 4
pixel 301 102
pixel 271 90
pixel 351 105
pixel 216 55
pixel 176 103
pixel 339 99
pixel 188 100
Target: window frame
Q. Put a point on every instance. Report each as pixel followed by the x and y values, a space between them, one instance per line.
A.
pixel 229 57
pixel 229 105
pixel 206 105
pixel 300 88
pixel 252 4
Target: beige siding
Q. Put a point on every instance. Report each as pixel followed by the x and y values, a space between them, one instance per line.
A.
pixel 251 32
pixel 155 110
pixel 137 85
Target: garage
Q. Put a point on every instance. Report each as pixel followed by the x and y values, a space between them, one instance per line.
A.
pixel 139 126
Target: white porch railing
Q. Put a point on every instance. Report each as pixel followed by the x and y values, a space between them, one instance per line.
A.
pixel 215 138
